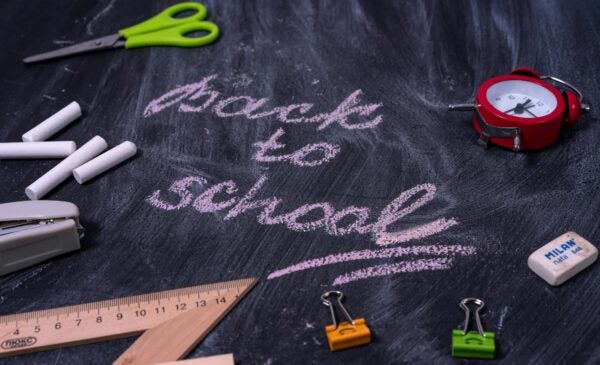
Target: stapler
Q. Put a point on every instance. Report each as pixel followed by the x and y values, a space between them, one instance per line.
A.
pixel 34 231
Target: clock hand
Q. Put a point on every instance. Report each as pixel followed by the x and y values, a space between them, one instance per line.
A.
pixel 518 109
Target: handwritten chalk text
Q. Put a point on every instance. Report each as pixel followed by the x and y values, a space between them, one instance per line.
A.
pixel 308 217
pixel 326 151
pixel 352 114
pixel 200 97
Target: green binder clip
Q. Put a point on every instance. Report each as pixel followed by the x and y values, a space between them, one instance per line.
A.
pixel 473 344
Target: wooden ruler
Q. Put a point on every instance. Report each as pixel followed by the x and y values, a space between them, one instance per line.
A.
pixel 226 359
pixel 116 318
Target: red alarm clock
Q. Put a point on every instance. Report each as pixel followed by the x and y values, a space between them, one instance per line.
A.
pixel 522 110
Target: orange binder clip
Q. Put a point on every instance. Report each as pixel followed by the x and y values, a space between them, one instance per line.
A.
pixel 348 334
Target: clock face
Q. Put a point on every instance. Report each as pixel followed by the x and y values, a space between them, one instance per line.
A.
pixel 522 99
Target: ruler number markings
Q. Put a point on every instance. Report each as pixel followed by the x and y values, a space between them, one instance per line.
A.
pixel 90 322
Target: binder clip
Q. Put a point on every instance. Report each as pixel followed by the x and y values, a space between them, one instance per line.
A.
pixel 347 334
pixel 473 344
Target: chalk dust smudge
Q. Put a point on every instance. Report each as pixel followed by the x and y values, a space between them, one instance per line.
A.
pixel 502 317
pixel 88 27
pixel 60 42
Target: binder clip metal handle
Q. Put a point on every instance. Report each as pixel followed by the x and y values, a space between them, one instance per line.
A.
pixel 348 333
pixel 473 344
pixel 329 303
pixel 480 304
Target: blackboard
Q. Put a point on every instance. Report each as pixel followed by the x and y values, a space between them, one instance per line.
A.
pixel 401 62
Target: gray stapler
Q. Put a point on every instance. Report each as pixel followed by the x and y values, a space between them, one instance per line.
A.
pixel 34 231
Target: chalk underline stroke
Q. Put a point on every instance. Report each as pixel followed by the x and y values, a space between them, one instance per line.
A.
pixel 380 270
pixel 395 268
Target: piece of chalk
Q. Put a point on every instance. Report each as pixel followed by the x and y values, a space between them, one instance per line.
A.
pixel 562 258
pixel 105 161
pixel 23 150
pixel 55 123
pixel 63 170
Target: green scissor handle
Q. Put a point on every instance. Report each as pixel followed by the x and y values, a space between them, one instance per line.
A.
pixel 165 30
pixel 176 36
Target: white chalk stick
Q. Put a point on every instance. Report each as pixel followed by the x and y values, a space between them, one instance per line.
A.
pixel 105 161
pixel 64 169
pixel 23 150
pixel 55 123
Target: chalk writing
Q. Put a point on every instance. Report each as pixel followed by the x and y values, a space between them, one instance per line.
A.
pixel 308 217
pixel 426 230
pixel 300 157
pixel 201 96
pixel 351 113
pixel 386 253
pixel 395 268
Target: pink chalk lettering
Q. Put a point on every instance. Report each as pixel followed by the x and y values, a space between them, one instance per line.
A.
pixel 328 151
pixel 266 216
pixel 432 250
pixel 293 217
pixel 392 212
pixel 345 109
pixel 176 95
pixel 360 214
pixel 203 90
pixel 300 157
pixel 251 105
pixel 204 203
pixel 179 187
pixel 246 203
pixel 426 230
pixel 270 144
pixel 396 268
pixel 284 111
pixel 329 221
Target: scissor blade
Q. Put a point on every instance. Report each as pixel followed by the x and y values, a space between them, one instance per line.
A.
pixel 108 42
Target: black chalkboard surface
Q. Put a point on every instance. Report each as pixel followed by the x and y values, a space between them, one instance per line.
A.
pixel 281 150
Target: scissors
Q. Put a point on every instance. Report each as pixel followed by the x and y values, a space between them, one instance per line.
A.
pixel 164 29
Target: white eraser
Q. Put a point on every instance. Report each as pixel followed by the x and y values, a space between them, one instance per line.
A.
pixel 63 170
pixel 55 123
pixel 32 150
pixel 562 258
pixel 105 161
